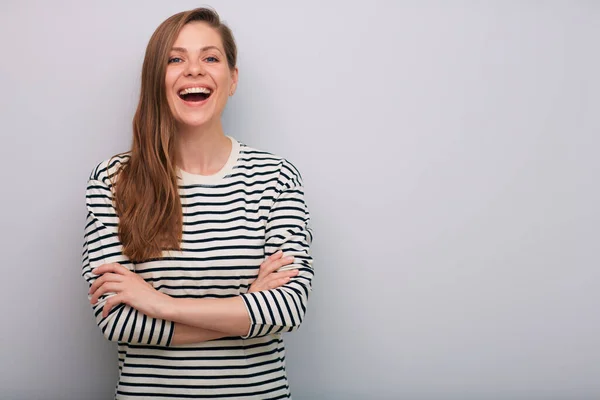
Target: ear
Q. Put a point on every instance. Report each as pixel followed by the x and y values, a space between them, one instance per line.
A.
pixel 234 81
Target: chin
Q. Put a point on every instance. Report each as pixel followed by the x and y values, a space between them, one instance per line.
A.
pixel 195 122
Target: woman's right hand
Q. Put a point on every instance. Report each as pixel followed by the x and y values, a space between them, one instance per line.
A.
pixel 268 277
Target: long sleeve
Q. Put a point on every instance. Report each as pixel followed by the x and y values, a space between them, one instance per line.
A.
pixel 288 229
pixel 102 246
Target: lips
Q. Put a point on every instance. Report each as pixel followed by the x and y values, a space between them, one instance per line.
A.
pixel 195 94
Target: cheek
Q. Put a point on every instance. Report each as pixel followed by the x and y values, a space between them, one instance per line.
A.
pixel 223 79
pixel 170 99
pixel 222 100
pixel 172 72
pixel 225 83
pixel 171 79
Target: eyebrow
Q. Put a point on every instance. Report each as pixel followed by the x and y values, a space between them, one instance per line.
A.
pixel 202 49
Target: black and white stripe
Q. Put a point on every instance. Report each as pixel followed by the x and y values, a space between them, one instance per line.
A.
pixel 230 225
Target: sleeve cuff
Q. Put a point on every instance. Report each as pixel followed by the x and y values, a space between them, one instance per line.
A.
pixel 247 301
pixel 170 331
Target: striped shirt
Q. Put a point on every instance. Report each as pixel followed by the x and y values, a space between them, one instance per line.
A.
pixel 232 220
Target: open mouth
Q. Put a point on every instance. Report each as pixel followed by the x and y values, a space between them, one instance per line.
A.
pixel 195 94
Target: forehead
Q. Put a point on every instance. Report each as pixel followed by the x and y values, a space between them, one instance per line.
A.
pixel 196 35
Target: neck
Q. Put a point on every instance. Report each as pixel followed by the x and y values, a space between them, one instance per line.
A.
pixel 202 150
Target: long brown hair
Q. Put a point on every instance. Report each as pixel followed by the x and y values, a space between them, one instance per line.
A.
pixel 146 191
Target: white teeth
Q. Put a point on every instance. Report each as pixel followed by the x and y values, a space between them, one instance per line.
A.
pixel 195 90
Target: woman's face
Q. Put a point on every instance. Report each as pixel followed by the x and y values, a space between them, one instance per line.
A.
pixel 198 79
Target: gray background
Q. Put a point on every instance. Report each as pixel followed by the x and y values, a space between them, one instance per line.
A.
pixel 450 153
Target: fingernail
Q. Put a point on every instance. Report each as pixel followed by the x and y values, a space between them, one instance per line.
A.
pixel 289 258
pixel 94 271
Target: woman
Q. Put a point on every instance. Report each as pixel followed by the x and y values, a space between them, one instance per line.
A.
pixel 179 279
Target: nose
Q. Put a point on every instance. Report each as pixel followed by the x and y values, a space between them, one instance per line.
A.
pixel 194 68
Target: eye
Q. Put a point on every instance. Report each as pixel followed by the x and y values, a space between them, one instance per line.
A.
pixel 174 60
pixel 211 59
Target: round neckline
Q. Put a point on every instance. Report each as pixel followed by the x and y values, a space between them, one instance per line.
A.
pixel 189 178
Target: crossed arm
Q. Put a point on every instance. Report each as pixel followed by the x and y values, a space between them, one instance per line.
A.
pixel 128 309
pixel 195 320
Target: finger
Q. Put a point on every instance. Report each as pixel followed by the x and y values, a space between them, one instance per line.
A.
pixel 110 287
pixel 97 283
pixel 275 265
pixel 101 291
pixel 286 273
pixel 283 262
pixel 276 276
pixel 275 283
pixel 103 269
pixel 110 303
pixel 275 256
pixel 113 267
pixel 108 277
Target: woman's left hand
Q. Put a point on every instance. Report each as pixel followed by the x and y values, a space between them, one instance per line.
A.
pixel 130 289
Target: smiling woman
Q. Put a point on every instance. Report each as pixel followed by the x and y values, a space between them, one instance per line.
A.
pixel 191 57
pixel 197 246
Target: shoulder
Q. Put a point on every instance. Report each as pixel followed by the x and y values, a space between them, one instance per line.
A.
pixel 105 171
pixel 99 192
pixel 288 175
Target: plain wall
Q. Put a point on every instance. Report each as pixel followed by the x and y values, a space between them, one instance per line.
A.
pixel 450 155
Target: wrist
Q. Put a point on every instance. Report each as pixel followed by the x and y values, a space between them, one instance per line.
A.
pixel 165 307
